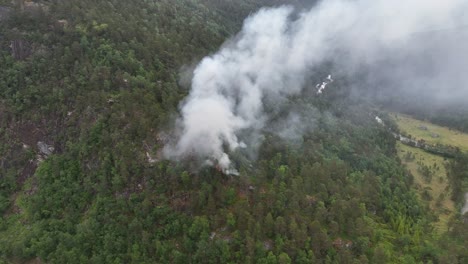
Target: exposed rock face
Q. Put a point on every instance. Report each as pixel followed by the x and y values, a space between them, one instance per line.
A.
pixel 19 4
pixel 45 149
pixel 465 208
pixel 30 6
pixel 4 12
pixel 151 160
pixel 20 49
pixel 62 23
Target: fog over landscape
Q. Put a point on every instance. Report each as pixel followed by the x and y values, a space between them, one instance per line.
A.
pixel 400 49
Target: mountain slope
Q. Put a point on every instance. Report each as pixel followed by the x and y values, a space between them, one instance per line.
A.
pixel 84 98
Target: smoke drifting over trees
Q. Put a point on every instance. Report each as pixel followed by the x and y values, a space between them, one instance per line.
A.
pixel 397 47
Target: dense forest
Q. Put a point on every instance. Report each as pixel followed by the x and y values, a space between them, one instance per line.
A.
pixel 87 87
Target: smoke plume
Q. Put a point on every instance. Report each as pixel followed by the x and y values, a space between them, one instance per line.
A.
pixel 271 58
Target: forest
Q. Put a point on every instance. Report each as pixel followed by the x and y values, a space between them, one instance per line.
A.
pixel 88 90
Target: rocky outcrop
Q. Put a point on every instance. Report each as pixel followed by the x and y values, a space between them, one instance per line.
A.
pixel 151 160
pixel 20 49
pixel 19 4
pixel 45 151
pixel 465 207
pixel 4 12
pixel 61 23
pixel 30 6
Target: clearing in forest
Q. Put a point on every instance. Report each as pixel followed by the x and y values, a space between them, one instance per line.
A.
pixel 430 181
pixel 432 134
pixel 430 176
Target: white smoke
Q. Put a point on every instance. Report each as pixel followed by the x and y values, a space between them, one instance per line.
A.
pixel 271 57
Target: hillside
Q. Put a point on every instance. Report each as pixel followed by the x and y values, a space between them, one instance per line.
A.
pixel 431 178
pixel 89 94
pixel 429 170
pixel 431 181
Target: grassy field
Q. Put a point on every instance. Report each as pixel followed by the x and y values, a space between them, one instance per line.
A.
pixel 430 177
pixel 431 133
pixel 432 187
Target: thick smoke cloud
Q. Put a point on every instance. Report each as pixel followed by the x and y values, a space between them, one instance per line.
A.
pixel 270 59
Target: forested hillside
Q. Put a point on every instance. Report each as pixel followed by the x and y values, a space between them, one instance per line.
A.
pixel 88 91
